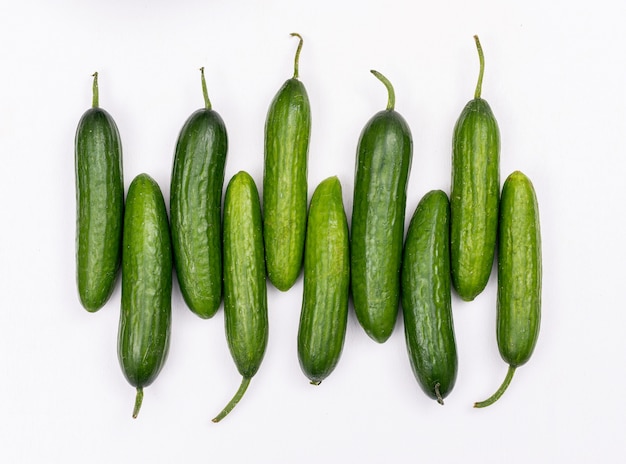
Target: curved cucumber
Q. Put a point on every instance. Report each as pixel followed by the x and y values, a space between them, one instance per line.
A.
pixel 383 163
pixel 99 204
pixel 519 276
pixel 474 194
pixel 426 298
pixel 145 317
pixel 324 315
pixel 195 208
pixel 245 289
pixel 287 133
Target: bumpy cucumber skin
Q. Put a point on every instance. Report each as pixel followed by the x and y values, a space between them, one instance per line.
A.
pixel 99 207
pixel 287 134
pixel 245 288
pixel 474 198
pixel 145 316
pixel 519 271
pixel 426 297
pixel 195 210
pixel 324 315
pixel 384 155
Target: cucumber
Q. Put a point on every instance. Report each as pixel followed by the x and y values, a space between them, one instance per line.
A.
pixel 287 133
pixel 195 208
pixel 99 204
pixel 245 288
pixel 324 314
pixel 474 193
pixel 146 312
pixel 426 297
pixel 519 277
pixel 384 154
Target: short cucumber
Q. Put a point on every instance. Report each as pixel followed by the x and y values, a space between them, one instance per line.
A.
pixel 324 315
pixel 195 208
pixel 426 297
pixel 474 194
pixel 145 317
pixel 519 276
pixel 245 289
pixel 99 204
pixel 384 154
pixel 287 133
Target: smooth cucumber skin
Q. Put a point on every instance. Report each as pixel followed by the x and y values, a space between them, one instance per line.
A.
pixel 287 134
pixel 324 314
pixel 145 316
pixel 474 198
pixel 519 271
pixel 195 210
pixel 99 205
pixel 245 288
pixel 384 154
pixel 426 296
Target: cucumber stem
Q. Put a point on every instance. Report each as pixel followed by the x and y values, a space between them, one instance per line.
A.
pixel 138 401
pixel 438 393
pixel 229 407
pixel 493 398
pixel 297 59
pixel 96 96
pixel 207 102
pixel 391 101
pixel 481 59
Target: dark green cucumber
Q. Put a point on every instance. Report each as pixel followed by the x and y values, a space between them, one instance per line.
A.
pixel 245 289
pixel 287 132
pixel 384 154
pixel 474 194
pixel 195 208
pixel 324 315
pixel 426 297
pixel 99 204
pixel 519 276
pixel 145 317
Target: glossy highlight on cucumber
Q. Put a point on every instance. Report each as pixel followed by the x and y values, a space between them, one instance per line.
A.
pixel 324 315
pixel 146 310
pixel 245 288
pixel 195 208
pixel 99 204
pixel 426 297
pixel 287 134
pixel 519 277
pixel 474 194
pixel 383 162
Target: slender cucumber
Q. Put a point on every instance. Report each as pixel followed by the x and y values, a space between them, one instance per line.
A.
pixel 519 277
pixel 99 204
pixel 146 312
pixel 287 134
pixel 245 288
pixel 475 193
pixel 324 314
pixel 195 208
pixel 383 162
pixel 426 297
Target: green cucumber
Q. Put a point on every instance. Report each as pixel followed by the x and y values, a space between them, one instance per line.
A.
pixel 384 154
pixel 474 193
pixel 287 133
pixel 426 297
pixel 519 277
pixel 146 312
pixel 195 208
pixel 324 315
pixel 99 204
pixel 245 288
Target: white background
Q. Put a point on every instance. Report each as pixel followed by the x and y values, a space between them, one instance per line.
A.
pixel 555 78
